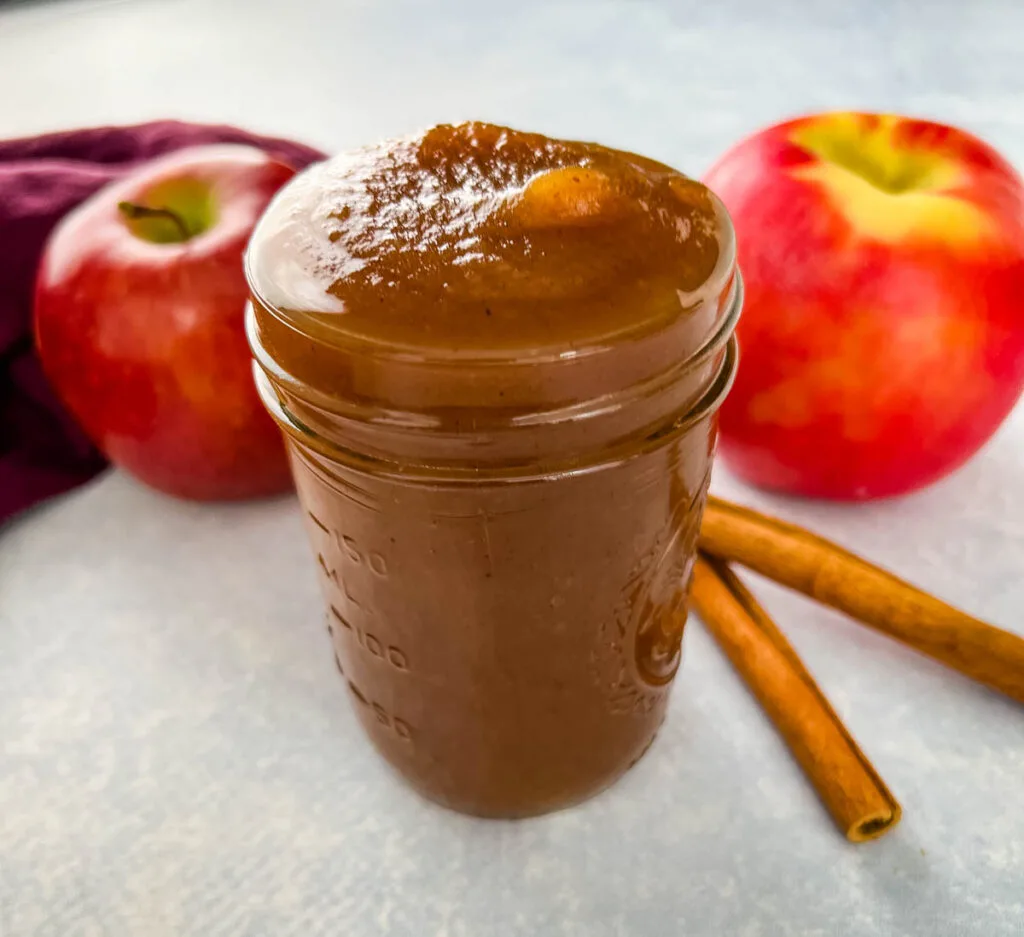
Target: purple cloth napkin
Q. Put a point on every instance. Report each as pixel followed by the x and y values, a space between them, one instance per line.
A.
pixel 42 451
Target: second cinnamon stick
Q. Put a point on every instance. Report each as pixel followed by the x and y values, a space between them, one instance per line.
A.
pixel 848 785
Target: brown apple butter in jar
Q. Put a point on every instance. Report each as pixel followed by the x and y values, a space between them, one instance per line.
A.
pixel 496 358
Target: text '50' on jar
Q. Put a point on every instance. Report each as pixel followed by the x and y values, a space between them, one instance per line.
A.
pixel 496 358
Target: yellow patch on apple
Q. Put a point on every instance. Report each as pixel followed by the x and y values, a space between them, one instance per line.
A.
pixel 889 191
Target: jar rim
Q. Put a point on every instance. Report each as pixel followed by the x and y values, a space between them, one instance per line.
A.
pixel 332 403
pixel 317 446
pixel 444 419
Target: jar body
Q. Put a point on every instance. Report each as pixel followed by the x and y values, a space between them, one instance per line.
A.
pixel 497 359
pixel 509 645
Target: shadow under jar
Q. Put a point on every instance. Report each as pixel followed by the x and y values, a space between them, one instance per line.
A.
pixel 496 359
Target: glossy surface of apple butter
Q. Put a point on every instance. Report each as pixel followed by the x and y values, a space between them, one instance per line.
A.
pixel 496 358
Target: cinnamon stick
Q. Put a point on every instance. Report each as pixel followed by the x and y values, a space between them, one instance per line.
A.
pixel 845 780
pixel 835 577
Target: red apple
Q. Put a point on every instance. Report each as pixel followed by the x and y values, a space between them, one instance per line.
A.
pixel 139 316
pixel 882 338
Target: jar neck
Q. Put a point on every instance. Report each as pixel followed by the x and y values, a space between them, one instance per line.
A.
pixel 457 414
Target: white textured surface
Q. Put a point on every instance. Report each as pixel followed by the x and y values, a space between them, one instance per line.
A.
pixel 178 757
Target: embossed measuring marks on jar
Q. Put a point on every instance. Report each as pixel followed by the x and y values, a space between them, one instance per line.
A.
pixel 399 726
pixel 391 653
pixel 352 572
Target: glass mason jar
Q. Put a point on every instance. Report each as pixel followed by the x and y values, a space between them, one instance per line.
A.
pixel 504 535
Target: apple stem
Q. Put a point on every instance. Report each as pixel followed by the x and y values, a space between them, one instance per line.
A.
pixel 134 212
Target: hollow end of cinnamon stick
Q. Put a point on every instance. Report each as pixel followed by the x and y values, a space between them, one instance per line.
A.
pixel 846 782
pixel 873 826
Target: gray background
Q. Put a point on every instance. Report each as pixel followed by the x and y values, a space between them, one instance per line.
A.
pixel 178 757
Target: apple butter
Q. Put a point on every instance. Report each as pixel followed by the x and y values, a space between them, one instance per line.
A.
pixel 496 358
